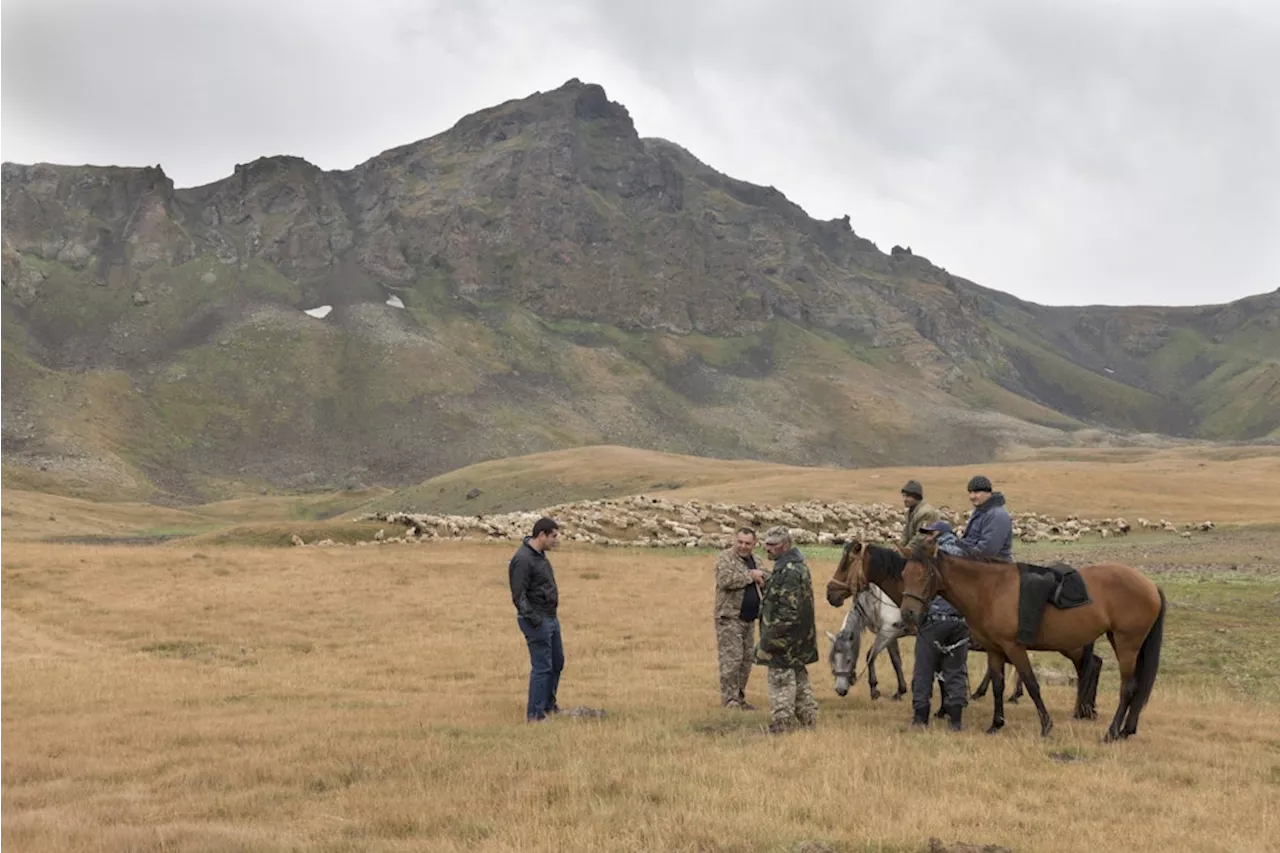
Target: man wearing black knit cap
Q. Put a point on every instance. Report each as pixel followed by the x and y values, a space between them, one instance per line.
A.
pixel 989 532
pixel 919 514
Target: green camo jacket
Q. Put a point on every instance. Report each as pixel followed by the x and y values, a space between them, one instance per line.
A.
pixel 788 629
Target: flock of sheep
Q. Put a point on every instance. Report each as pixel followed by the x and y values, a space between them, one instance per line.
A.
pixel 658 522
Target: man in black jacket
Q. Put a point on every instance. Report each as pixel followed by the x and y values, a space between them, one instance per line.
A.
pixel 534 593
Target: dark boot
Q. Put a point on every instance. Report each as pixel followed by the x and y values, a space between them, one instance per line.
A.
pixel 921 718
pixel 955 712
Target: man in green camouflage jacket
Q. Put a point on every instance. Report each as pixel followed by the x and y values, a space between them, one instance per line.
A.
pixel 788 635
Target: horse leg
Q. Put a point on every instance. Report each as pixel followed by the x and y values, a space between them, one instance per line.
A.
pixel 872 682
pixel 1127 658
pixel 995 675
pixel 1086 664
pixel 1022 663
pixel 1017 690
pixel 1146 663
pixel 895 658
pixel 983 685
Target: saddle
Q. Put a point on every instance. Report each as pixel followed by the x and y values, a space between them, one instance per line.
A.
pixel 1039 586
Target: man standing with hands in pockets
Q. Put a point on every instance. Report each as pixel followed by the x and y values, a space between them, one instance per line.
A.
pixel 537 599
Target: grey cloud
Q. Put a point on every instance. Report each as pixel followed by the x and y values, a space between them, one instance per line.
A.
pixel 1066 152
pixel 1085 152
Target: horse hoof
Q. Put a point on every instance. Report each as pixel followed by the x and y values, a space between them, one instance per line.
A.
pixel 1012 700
pixel 977 694
pixel 897 697
pixel 995 728
pixel 875 694
pixel 1044 730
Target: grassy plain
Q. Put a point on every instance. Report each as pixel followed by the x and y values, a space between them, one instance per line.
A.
pixel 198 695
pixel 250 699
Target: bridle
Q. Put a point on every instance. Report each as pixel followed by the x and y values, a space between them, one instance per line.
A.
pixel 854 592
pixel 933 581
pixel 853 664
pixel 845 585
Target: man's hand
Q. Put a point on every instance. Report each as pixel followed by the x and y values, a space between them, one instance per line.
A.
pixel 756 575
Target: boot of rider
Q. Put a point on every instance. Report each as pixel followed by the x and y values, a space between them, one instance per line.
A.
pixel 955 712
pixel 921 717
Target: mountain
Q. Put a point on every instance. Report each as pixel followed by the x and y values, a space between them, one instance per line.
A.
pixel 564 282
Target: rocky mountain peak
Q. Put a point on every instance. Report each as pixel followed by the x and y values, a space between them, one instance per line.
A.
pixel 557 279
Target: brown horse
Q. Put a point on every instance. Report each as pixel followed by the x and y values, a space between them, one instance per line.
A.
pixel 861 565
pixel 1125 605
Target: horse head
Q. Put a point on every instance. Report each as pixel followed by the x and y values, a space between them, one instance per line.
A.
pixel 850 577
pixel 844 659
pixel 921 581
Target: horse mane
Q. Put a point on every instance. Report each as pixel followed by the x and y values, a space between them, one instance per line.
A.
pixel 886 561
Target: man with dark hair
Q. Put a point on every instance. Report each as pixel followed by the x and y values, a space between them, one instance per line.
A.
pixel 738 584
pixel 989 532
pixel 919 514
pixel 534 593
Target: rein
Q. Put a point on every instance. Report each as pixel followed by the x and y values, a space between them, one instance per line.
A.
pixel 862 611
pixel 931 584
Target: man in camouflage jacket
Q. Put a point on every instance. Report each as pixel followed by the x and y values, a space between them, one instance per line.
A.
pixel 788 635
pixel 738 583
pixel 919 514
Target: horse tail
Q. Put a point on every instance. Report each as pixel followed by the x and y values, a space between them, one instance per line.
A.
pixel 1144 671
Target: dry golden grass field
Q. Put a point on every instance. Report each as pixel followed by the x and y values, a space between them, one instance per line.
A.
pixel 189 696
pixel 1181 484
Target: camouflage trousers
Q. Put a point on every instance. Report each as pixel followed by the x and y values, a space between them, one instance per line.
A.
pixel 791 699
pixel 736 648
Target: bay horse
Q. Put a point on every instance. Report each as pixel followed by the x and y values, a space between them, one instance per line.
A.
pixel 864 564
pixel 1125 605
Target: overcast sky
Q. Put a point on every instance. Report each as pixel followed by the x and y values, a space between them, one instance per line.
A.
pixel 1091 151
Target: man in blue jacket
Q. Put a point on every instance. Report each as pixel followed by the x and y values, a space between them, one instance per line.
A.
pixel 989 532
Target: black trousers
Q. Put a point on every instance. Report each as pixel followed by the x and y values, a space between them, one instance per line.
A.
pixel 954 664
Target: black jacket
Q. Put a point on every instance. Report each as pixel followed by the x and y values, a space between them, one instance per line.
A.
pixel 533 584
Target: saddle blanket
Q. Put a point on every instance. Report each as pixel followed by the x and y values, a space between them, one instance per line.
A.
pixel 1059 585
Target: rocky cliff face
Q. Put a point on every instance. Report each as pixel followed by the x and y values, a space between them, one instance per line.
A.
pixel 563 281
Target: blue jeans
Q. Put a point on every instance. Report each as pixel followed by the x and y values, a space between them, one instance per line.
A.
pixel 546 660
